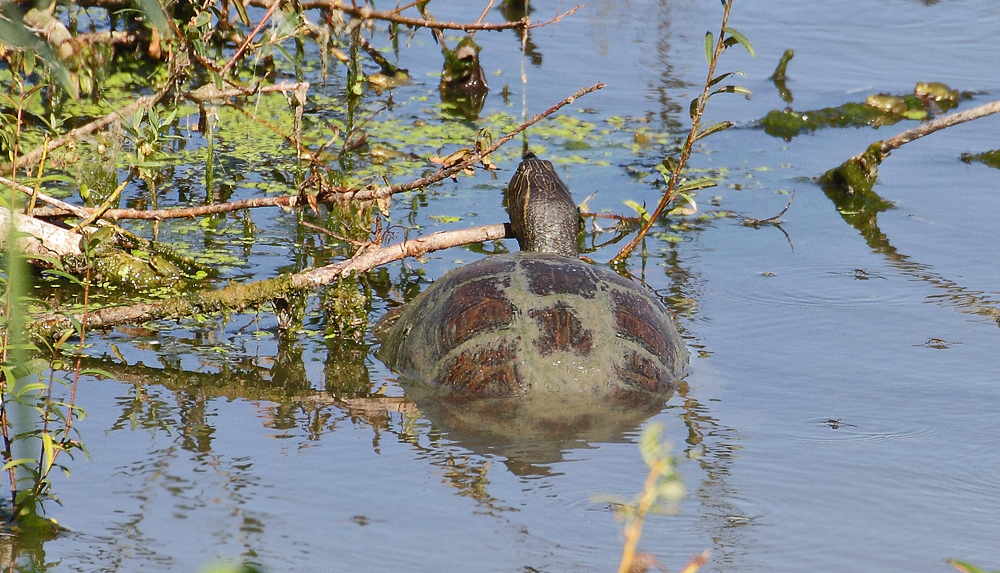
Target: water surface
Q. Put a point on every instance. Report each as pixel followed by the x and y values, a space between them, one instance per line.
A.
pixel 839 413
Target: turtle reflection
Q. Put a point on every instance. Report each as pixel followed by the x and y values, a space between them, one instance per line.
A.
pixel 532 434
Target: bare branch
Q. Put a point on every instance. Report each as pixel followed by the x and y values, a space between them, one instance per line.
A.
pixel 472 159
pixel 940 123
pixel 366 13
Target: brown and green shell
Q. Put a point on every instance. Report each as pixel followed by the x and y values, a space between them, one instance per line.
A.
pixel 525 323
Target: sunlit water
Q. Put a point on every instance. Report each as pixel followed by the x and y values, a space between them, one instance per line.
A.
pixel 841 404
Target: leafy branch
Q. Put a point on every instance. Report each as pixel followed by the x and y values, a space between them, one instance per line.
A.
pixel 728 37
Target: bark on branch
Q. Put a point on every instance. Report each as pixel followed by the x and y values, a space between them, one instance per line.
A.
pixel 239 297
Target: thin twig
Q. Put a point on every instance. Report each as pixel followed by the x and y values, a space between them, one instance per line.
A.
pixel 286 201
pixel 472 159
pixel 751 222
pixel 366 13
pixel 938 124
pixel 103 208
pixel 249 38
pixel 486 11
pixel 62 208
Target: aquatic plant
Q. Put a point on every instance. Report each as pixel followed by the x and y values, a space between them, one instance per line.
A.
pixel 37 396
pixel 661 491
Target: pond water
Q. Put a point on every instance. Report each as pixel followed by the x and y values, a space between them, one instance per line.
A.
pixel 840 412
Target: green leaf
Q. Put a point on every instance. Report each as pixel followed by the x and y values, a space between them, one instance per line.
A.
pixel 50 452
pixel 641 210
pixel 695 184
pixel 242 11
pixel 742 40
pixel 24 389
pixel 732 90
pixel 14 32
pixel 714 128
pixel 693 108
pixel 157 17
pixel 670 163
pixel 17 462
pixel 719 78
pixel 445 218
pixel 709 46
pixel 97 372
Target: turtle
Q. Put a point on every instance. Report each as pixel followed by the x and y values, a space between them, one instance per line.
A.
pixel 540 320
pixel 463 81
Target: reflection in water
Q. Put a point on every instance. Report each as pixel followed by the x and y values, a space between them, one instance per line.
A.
pixel 714 448
pixel 512 11
pixel 860 210
pixel 532 434
pixel 463 81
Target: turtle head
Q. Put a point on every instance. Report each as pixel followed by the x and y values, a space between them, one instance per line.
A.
pixel 461 65
pixel 543 216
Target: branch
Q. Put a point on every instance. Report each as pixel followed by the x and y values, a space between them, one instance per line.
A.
pixel 239 297
pixel 940 123
pixel 469 161
pixel 858 174
pixel 366 13
pixel 61 208
pixel 183 213
pixel 671 192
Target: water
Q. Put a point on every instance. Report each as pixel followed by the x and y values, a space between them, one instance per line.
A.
pixel 838 415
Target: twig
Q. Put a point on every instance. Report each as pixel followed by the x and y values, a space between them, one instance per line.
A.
pixel 858 174
pixel 103 207
pixel 286 201
pixel 249 38
pixel 209 92
pixel 671 193
pixel 58 203
pixel 62 208
pixel 751 222
pixel 472 159
pixel 633 531
pixel 940 123
pixel 366 13
pixel 486 11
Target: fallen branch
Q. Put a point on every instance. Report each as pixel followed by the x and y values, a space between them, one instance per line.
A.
pixel 239 297
pixel 123 236
pixel 182 213
pixel 858 174
pixel 209 92
pixel 39 240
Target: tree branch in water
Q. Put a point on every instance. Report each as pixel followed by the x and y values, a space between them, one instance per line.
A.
pixel 858 174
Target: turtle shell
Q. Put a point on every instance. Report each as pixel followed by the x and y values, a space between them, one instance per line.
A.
pixel 521 323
